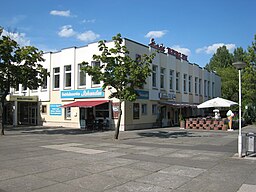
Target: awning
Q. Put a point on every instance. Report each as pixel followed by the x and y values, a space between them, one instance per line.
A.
pixel 86 104
pixel 178 104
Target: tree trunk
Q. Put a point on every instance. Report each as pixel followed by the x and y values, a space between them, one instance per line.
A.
pixel 2 111
pixel 119 121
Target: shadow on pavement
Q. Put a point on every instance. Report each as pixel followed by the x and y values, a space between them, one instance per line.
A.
pixel 50 130
pixel 168 134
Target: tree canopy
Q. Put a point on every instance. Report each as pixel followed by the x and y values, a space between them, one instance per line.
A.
pixel 221 63
pixel 119 71
pixel 19 65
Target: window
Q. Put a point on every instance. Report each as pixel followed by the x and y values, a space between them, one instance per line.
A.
pixel 185 83
pixel 102 111
pixel 17 88
pixel 82 76
pixel 24 88
pixel 154 76
pixel 190 84
pixel 196 84
pixel 67 76
pixel 44 85
pixel 162 71
pixel 95 64
pixel 154 109
pixel 171 80
pixel 56 78
pixel 177 81
pixel 68 113
pixel 144 109
pixel 200 86
pixel 208 88
pixel 136 110
pixel 44 109
pixel 205 88
pixel 213 89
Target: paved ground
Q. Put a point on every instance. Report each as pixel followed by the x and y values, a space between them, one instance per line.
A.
pixel 157 160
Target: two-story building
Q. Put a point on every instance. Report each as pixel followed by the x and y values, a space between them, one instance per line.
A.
pixel 69 95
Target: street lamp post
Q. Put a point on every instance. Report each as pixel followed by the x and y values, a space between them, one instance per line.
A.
pixel 240 65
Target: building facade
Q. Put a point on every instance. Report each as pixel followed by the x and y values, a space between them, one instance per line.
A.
pixel 69 96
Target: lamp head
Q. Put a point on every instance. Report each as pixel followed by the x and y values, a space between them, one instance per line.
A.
pixel 239 65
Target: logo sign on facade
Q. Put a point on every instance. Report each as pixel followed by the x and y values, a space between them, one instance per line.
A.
pixel 170 51
pixel 170 96
pixel 55 110
pixel 84 93
pixel 142 94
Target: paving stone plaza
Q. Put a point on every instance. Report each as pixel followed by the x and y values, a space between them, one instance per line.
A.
pixel 158 160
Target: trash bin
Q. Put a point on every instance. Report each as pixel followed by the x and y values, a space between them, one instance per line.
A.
pixel 251 143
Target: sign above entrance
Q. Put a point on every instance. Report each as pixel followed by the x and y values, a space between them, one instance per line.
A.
pixel 23 98
pixel 83 93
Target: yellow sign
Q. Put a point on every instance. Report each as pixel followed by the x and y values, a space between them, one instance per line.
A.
pixel 23 98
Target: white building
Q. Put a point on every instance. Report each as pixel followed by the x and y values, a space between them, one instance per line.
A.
pixel 175 86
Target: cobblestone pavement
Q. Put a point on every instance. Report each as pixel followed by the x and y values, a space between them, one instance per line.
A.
pixel 158 160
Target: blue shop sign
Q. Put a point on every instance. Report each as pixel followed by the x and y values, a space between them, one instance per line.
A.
pixel 55 110
pixel 142 94
pixel 82 93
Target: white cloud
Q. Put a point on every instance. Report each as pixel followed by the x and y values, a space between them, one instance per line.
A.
pixel 212 48
pixel 66 31
pixel 88 36
pixel 182 50
pixel 60 13
pixel 20 38
pixel 155 34
pixel 89 21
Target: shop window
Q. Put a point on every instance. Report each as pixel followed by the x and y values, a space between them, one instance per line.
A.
pixel 56 78
pixel 44 109
pixel 68 113
pixel 154 109
pixel 144 109
pixel 102 111
pixel 67 77
pixel 136 110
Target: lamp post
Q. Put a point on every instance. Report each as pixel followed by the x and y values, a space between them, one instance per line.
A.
pixel 240 65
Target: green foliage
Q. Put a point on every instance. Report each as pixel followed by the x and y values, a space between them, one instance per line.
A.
pixel 19 65
pixel 119 70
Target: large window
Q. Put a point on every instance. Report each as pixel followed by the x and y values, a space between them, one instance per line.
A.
pixel 154 76
pixel 190 84
pixel 196 85
pixel 67 77
pixel 171 80
pixel 205 88
pixel 144 109
pixel 162 71
pixel 95 64
pixel 200 86
pixel 56 78
pixel 82 77
pixel 154 109
pixel 178 81
pixel 68 113
pixel 185 83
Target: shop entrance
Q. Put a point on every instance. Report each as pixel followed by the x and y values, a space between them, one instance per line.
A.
pixel 27 113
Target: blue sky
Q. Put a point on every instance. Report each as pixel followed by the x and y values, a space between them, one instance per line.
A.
pixel 194 27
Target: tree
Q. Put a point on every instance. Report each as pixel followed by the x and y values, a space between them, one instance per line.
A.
pixel 18 65
pixel 221 59
pixel 120 72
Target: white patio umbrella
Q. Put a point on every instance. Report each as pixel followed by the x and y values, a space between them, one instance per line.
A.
pixel 217 102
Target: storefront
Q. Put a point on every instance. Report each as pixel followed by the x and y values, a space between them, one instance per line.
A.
pixel 21 110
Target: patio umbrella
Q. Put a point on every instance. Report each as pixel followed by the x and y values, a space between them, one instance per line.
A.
pixel 216 102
